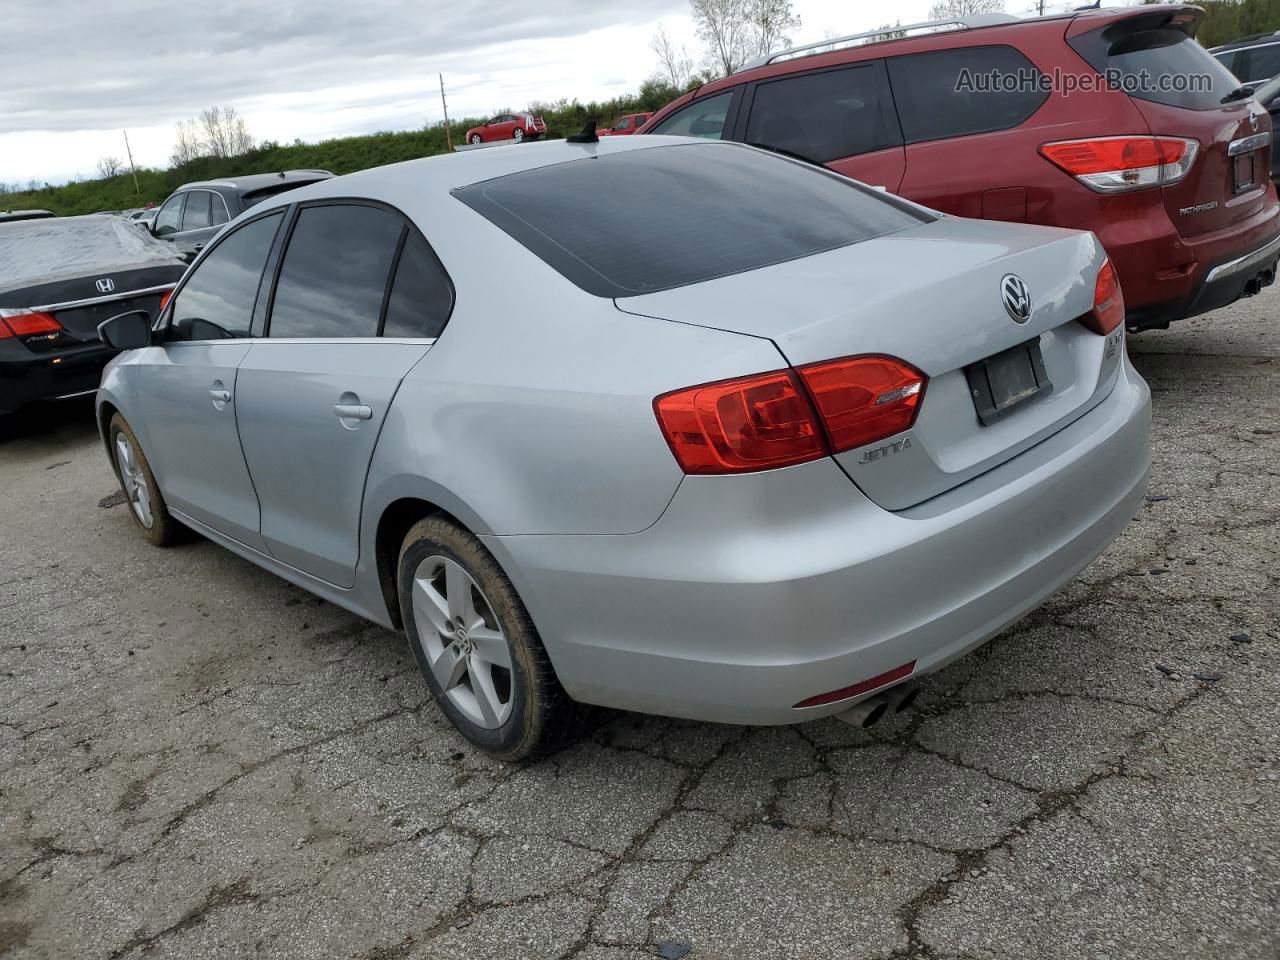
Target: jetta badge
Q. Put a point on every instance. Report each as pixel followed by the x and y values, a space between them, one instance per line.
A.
pixel 1016 297
pixel 105 285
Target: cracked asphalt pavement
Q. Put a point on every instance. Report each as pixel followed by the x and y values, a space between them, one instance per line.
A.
pixel 199 760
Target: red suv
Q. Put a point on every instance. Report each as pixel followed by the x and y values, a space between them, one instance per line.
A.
pixel 1111 120
pixel 626 126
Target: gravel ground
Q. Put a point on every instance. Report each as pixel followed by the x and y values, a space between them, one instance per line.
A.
pixel 199 760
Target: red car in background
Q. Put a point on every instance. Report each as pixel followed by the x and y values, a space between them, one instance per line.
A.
pixel 1113 120
pixel 508 126
pixel 625 126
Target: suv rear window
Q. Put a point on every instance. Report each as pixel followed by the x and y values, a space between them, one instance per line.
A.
pixel 710 210
pixel 948 94
pixel 1149 56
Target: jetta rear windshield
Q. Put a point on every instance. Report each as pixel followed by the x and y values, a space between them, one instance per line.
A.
pixel 645 220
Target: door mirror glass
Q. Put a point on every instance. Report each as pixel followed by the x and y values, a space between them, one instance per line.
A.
pixel 127 331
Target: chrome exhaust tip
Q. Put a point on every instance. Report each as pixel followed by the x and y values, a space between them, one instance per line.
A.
pixel 865 714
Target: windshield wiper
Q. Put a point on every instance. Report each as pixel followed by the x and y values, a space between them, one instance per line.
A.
pixel 1239 93
pixel 783 151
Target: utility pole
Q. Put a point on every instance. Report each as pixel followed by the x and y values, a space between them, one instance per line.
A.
pixel 136 189
pixel 448 137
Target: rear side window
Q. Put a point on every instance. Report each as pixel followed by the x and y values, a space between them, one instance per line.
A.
pixel 219 208
pixel 702 118
pixel 1256 64
pixel 217 300
pixel 334 273
pixel 196 215
pixel 421 294
pixel 710 210
pixel 825 116
pixel 949 93
pixel 1154 62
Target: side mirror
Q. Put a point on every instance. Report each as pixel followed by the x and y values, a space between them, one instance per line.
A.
pixel 127 331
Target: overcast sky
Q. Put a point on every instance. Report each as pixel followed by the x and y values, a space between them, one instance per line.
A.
pixel 74 74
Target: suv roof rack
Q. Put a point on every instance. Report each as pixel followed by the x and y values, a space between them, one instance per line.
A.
pixel 890 33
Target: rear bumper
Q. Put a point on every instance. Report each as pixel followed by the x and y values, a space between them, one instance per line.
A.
pixel 753 593
pixel 1166 277
pixel 27 377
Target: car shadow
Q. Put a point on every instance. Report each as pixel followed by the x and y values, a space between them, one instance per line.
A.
pixel 48 427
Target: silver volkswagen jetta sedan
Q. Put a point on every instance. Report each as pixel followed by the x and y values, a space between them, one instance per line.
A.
pixel 666 425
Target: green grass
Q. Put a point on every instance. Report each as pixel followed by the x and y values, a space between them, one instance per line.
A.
pixel 342 155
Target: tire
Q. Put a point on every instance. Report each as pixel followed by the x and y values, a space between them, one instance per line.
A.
pixel 142 494
pixel 517 135
pixel 514 712
pixel 475 138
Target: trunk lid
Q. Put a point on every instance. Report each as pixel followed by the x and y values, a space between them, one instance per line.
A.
pixel 931 296
pixel 1230 177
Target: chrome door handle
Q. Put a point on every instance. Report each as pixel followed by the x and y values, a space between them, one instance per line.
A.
pixel 353 411
pixel 220 396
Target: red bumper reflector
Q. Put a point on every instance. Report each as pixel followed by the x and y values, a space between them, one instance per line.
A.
pixel 866 686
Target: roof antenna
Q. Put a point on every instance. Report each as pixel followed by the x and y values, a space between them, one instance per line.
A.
pixel 587 135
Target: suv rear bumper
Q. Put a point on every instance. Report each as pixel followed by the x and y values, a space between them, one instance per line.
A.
pixel 756 592
pixel 1166 277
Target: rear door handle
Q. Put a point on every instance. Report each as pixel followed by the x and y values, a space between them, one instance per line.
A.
pixel 353 411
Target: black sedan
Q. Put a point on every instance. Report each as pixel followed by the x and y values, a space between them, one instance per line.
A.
pixel 59 279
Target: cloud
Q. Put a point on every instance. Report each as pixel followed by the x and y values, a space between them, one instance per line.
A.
pixel 143 62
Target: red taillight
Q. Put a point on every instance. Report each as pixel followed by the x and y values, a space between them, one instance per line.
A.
pixel 866 686
pixel 864 399
pixel 164 299
pixel 27 324
pixel 787 417
pixel 1119 164
pixel 1108 302
pixel 750 423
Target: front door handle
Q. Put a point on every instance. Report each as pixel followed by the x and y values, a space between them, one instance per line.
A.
pixel 221 396
pixel 353 411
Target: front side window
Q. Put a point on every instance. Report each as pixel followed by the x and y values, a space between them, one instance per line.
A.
pixel 217 300
pixel 334 273
pixel 623 124
pixel 702 118
pixel 170 216
pixel 421 295
pixel 960 92
pixel 824 116
pixel 197 215
pixel 710 210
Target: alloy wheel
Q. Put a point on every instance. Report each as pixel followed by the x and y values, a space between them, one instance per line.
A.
pixel 463 642
pixel 135 483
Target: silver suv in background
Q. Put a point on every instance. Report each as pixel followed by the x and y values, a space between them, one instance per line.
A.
pixel 1254 59
pixel 196 211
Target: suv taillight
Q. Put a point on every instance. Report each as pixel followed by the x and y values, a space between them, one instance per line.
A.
pixel 1120 164
pixel 1108 302
pixel 789 416
pixel 21 323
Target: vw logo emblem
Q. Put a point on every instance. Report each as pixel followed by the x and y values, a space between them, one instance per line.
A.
pixel 1016 297
pixel 105 285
